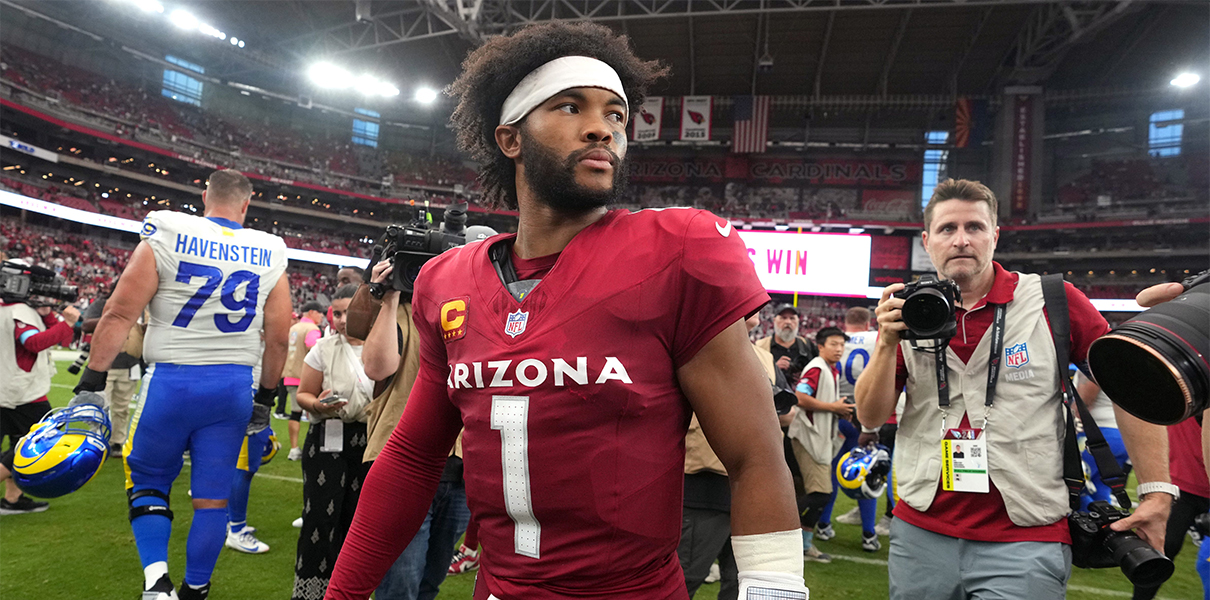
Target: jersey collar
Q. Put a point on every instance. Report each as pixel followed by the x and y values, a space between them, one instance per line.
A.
pixel 1003 286
pixel 228 223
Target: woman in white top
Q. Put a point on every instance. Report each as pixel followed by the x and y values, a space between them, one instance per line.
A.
pixel 334 389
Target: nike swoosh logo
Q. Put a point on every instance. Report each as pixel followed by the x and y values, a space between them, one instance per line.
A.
pixel 723 230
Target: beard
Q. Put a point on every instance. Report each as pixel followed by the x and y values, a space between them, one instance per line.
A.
pixel 786 334
pixel 553 179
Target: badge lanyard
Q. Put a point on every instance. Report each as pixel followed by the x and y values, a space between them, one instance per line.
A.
pixel 993 370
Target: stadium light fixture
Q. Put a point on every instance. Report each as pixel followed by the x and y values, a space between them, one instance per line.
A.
pixel 426 95
pixel 1185 80
pixel 212 32
pixel 183 19
pixel 234 41
pixel 328 75
pixel 149 6
pixel 241 43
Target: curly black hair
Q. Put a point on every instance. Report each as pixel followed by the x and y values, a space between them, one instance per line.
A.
pixel 490 73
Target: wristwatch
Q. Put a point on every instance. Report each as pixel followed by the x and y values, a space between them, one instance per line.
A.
pixel 1158 486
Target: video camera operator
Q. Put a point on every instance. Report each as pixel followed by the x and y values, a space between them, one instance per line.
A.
pixel 998 529
pixel 381 313
pixel 32 329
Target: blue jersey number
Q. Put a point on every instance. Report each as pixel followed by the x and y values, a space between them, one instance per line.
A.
pixel 848 365
pixel 213 275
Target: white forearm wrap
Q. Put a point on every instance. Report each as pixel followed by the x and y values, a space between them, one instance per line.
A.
pixel 776 552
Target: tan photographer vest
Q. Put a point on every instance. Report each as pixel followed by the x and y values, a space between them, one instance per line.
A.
pixel 21 387
pixel 1025 427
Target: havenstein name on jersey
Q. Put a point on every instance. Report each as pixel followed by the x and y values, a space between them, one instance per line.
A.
pixel 214 250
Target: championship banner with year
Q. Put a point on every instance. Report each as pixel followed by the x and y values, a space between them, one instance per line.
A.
pixel 647 122
pixel 695 118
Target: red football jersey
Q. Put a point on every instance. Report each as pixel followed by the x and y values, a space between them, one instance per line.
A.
pixel 574 420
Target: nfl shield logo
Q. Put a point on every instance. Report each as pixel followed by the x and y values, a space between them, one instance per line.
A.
pixel 1017 356
pixel 515 325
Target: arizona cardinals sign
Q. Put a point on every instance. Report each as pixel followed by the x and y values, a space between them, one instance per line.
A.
pixel 647 122
pixel 695 118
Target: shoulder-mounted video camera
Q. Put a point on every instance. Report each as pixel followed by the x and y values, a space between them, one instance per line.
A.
pixel 409 246
pixel 18 282
pixel 929 307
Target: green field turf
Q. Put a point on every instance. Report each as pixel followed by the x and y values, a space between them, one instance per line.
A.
pixel 82 547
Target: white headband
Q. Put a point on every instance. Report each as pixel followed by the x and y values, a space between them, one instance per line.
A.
pixel 556 76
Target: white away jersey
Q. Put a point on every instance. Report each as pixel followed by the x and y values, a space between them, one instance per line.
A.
pixel 856 356
pixel 214 279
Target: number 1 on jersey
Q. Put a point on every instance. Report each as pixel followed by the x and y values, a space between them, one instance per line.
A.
pixel 510 416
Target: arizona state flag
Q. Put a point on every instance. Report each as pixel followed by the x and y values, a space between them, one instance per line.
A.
pixel 970 122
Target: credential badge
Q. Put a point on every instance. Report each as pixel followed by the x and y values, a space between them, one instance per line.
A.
pixel 515 325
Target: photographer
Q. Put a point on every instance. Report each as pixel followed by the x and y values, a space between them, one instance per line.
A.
pixel 791 352
pixel 336 391
pixel 26 373
pixel 392 360
pixel 1007 536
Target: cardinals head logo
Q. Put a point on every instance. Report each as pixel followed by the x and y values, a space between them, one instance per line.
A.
pixel 696 117
pixel 648 118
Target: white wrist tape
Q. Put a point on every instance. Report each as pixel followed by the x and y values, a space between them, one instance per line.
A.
pixel 777 552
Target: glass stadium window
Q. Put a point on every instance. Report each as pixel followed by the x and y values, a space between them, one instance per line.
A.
pixel 181 87
pixel 365 132
pixel 1165 140
pixel 934 164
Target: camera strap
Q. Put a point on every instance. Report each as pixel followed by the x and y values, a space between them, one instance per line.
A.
pixel 993 365
pixel 1055 298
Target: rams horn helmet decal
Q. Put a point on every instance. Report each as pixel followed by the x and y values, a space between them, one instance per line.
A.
pixel 63 451
pixel 271 448
pixel 863 472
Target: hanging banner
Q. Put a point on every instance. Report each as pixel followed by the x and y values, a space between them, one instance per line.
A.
pixel 695 118
pixel 1022 143
pixel 647 122
pixel 781 171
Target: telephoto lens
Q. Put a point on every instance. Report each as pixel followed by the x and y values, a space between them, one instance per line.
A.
pixel 1155 366
pixel 1143 565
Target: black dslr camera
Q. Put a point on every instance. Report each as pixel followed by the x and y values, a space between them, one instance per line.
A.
pixel 18 282
pixel 928 308
pixel 408 247
pixel 1095 546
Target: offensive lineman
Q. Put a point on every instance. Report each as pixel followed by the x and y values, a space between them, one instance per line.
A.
pixel 573 353
pixel 212 287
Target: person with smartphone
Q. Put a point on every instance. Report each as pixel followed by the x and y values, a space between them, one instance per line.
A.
pixel 335 390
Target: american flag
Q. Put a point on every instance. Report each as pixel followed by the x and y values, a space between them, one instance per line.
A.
pixel 751 132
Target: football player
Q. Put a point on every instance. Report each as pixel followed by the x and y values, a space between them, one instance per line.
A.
pixel 574 351
pixel 211 287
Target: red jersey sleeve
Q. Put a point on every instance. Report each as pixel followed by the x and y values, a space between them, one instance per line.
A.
pixel 400 486
pixel 719 285
pixel 60 333
pixel 1086 325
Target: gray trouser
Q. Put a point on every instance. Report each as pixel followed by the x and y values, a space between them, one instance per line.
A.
pixel 929 566
pixel 706 535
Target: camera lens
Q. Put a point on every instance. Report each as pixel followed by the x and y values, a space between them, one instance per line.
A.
pixel 927 311
pixel 1155 365
pixel 1143 565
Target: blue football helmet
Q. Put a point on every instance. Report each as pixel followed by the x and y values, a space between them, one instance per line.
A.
pixel 271 448
pixel 862 472
pixel 63 451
